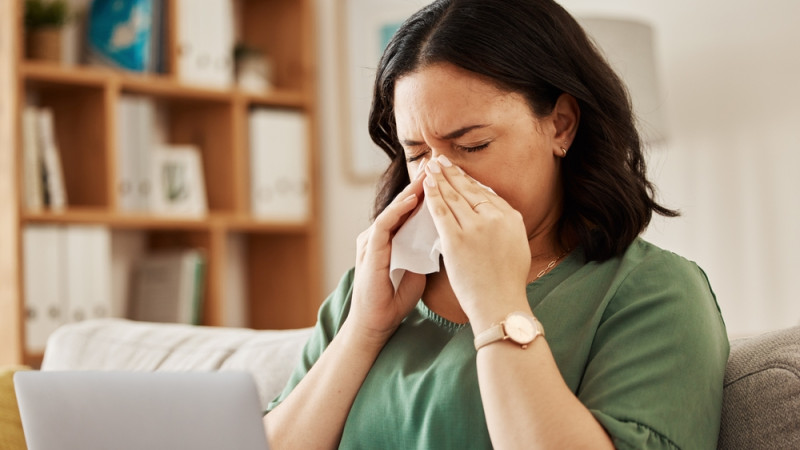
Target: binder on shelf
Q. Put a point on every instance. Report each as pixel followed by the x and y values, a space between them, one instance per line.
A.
pixel 128 133
pixel 206 40
pixel 67 277
pixel 32 160
pixel 149 137
pixel 139 132
pixel 168 287
pixel 87 272
pixel 43 283
pixel 56 193
pixel 278 164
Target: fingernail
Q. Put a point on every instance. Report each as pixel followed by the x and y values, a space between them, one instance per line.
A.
pixel 430 181
pixel 444 161
pixel 421 169
pixel 434 166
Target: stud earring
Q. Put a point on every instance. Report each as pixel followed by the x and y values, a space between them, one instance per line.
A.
pixel 563 152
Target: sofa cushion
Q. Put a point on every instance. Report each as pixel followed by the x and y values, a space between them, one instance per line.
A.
pixel 118 344
pixel 11 435
pixel 761 401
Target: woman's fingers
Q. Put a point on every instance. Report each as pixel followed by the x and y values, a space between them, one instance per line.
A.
pixel 460 193
pixel 442 199
pixel 394 215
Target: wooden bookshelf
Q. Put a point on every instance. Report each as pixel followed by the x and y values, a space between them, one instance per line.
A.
pixel 281 259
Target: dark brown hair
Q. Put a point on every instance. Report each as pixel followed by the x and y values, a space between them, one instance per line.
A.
pixel 533 47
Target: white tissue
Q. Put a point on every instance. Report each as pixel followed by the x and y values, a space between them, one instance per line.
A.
pixel 416 245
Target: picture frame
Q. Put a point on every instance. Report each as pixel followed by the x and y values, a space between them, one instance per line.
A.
pixel 178 182
pixel 365 27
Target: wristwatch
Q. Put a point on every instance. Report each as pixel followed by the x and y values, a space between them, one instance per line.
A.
pixel 518 327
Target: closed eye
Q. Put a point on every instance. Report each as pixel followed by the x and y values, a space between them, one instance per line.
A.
pixel 470 149
pixel 416 157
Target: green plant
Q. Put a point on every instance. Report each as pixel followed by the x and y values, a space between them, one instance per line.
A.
pixel 46 13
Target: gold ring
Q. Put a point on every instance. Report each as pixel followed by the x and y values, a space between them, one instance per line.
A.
pixel 479 203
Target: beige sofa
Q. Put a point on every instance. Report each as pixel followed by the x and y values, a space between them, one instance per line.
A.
pixel 761 408
pixel 117 344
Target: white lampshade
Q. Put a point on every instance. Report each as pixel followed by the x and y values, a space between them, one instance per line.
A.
pixel 628 47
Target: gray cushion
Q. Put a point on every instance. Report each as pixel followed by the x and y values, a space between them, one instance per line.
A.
pixel 761 402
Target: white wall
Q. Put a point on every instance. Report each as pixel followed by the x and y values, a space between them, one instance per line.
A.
pixel 730 72
pixel 346 205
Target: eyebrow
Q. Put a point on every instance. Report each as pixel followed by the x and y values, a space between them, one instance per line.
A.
pixel 451 135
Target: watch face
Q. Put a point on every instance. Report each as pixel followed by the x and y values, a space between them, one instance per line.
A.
pixel 519 328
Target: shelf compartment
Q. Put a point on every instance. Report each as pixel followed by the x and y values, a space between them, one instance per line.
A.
pixel 210 127
pixel 279 293
pixel 281 30
pixel 206 242
pixel 81 132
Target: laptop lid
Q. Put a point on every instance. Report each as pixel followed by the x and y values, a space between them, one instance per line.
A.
pixel 91 410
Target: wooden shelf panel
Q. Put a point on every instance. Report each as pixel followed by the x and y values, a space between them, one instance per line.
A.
pixel 112 219
pixel 154 85
pixel 278 98
pixel 63 74
pixel 147 221
pixel 246 223
pixel 164 87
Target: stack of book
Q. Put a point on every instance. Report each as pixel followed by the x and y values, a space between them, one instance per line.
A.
pixel 168 286
pixel 43 174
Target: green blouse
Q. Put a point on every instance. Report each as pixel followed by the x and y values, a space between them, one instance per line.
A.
pixel 639 339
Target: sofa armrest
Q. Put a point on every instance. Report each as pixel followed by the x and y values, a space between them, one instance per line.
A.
pixel 119 344
pixel 761 400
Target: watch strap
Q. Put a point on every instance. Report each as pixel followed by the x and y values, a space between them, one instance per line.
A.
pixel 492 334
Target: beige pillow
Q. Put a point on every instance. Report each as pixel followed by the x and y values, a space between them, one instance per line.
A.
pixel 11 437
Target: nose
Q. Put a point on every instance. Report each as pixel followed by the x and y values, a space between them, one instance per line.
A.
pixel 438 150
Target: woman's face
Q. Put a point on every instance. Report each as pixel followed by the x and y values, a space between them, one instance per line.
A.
pixel 491 134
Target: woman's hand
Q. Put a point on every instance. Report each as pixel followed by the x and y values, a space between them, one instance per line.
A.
pixel 377 309
pixel 484 243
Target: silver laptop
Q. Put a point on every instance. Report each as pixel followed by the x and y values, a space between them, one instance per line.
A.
pixel 92 410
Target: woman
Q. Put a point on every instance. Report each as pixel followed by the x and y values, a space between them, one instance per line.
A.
pixel 510 94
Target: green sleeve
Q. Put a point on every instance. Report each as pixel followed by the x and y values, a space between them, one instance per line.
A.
pixel 330 318
pixel 655 371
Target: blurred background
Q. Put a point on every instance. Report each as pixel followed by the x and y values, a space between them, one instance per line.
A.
pixel 728 76
pixel 224 142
